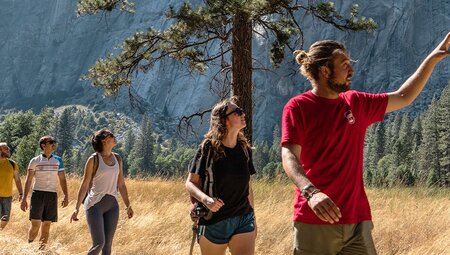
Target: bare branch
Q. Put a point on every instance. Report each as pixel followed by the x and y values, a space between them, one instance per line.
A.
pixel 184 126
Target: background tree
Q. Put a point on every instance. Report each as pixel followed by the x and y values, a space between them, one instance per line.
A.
pixel 274 167
pixel 369 155
pixel 125 148
pixel 261 157
pixel 141 157
pixel 76 162
pixel 44 123
pixel 25 151
pixel 416 134
pixel 16 126
pixel 216 32
pixel 429 166
pixel 443 129
pixel 275 149
pixel 65 132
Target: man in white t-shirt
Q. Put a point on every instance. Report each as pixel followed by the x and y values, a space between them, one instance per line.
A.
pixel 46 169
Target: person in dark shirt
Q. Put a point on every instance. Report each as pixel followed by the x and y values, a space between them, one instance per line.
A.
pixel 220 178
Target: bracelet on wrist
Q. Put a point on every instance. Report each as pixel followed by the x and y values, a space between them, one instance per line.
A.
pixel 308 191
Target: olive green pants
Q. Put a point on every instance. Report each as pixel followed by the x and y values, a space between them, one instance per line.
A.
pixel 337 239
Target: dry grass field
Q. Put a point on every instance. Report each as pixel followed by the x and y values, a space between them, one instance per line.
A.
pixel 407 221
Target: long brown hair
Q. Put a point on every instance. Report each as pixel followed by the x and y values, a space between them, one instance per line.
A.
pixel 218 128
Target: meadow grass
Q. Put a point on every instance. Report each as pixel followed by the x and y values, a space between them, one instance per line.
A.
pixel 407 221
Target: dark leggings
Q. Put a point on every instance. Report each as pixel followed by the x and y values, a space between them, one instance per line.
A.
pixel 102 221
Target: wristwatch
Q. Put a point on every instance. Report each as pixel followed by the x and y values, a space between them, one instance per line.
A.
pixel 309 190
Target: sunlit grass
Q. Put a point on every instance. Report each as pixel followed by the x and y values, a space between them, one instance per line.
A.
pixel 407 221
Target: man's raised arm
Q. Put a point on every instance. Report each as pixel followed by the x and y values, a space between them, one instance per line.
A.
pixel 412 87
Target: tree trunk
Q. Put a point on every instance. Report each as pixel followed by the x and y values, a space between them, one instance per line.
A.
pixel 242 67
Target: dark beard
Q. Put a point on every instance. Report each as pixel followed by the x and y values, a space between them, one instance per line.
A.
pixel 336 87
pixel 4 155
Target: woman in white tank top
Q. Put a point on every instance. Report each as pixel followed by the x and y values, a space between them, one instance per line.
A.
pixel 102 181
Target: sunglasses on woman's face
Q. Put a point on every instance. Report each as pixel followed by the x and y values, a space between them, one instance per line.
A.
pixel 238 111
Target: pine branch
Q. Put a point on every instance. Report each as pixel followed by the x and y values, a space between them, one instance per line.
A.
pixel 86 7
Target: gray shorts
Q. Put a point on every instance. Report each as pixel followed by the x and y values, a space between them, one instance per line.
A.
pixel 5 208
pixel 336 239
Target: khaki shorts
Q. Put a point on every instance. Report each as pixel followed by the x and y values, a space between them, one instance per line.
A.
pixel 337 239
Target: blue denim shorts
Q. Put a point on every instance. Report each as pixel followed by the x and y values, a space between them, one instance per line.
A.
pixel 222 231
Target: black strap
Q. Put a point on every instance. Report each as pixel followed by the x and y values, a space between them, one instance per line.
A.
pixel 194 235
pixel 13 164
pixel 95 168
pixel 208 184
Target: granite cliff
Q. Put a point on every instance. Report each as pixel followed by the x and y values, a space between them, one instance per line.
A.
pixel 45 48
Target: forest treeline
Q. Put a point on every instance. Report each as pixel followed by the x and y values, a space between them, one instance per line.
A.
pixel 403 150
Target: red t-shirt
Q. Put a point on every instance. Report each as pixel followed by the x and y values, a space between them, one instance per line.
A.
pixel 331 133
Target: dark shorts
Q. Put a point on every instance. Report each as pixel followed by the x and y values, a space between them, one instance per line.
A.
pixel 222 231
pixel 44 206
pixel 5 208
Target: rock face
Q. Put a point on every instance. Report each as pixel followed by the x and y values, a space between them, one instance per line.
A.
pixel 45 48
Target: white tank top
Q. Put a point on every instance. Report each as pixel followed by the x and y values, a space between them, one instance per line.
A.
pixel 104 182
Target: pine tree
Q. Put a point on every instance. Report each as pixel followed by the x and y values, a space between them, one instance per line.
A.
pixel 77 164
pixel 392 133
pixel 368 155
pixel 64 132
pixel 429 166
pixel 15 127
pixel 274 166
pixel 400 173
pixel 275 149
pixel 141 158
pixel 416 134
pixel 228 25
pixel 403 145
pixel 261 158
pixel 25 151
pixel 376 152
pixel 443 129
pixel 380 141
pixel 125 149
pixel 384 167
pixel 44 123
pixel 67 159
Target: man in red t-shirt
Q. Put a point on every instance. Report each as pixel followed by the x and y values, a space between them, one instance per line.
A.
pixel 322 141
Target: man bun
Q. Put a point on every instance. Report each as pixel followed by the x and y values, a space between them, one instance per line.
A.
pixel 301 57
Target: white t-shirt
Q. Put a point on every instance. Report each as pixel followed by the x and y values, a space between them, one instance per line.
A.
pixel 46 172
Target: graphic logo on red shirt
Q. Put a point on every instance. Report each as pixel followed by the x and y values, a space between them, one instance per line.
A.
pixel 349 116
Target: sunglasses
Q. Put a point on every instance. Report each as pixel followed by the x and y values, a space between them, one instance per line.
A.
pixel 50 142
pixel 238 111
